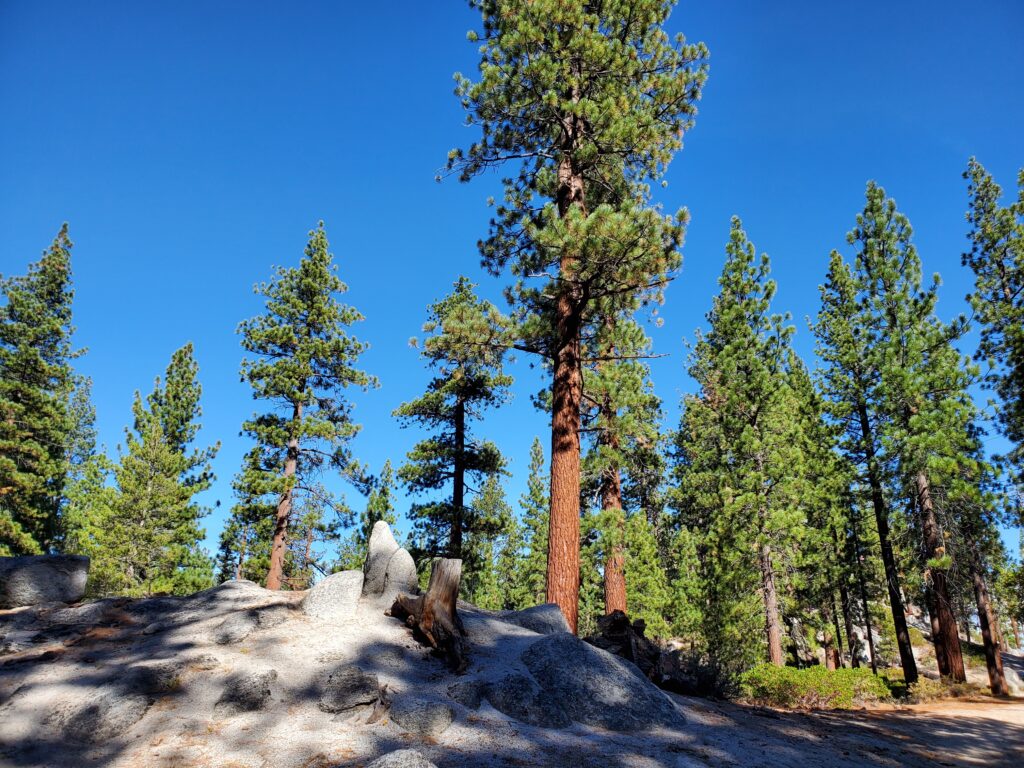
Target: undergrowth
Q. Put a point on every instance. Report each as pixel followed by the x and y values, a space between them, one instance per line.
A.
pixel 812 687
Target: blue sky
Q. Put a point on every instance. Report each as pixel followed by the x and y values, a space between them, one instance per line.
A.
pixel 192 145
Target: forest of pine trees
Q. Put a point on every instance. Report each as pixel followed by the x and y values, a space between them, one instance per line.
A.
pixel 799 511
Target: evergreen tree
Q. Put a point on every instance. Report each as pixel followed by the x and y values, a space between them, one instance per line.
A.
pixel 494 522
pixel 248 533
pixel 997 260
pixel 591 100
pixel 144 534
pixel 621 419
pixel 36 383
pixel 647 588
pixel 534 506
pixel 739 443
pixel 468 380
pixel 379 506
pixel 515 592
pixel 303 360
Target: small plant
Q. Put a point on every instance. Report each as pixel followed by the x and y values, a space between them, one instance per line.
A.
pixel 811 688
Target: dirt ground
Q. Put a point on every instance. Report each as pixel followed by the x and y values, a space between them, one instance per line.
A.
pixel 952 733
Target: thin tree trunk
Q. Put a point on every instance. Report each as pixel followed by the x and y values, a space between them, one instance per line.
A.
pixel 563 570
pixel 864 598
pixel 967 629
pixel 284 506
pixel 458 482
pixel 1016 632
pixel 987 620
pixel 611 504
pixel 831 653
pixel 941 659
pixel 835 621
pixel 241 554
pixel 844 602
pixel 892 583
pixel 948 637
pixel 772 629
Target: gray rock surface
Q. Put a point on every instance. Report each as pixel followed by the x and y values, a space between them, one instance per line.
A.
pixel 247 692
pixel 336 597
pixel 348 687
pixel 155 678
pixel 469 693
pixel 379 552
pixel 235 627
pixel 597 688
pixel 426 718
pixel 35 579
pixel 521 698
pixel 106 714
pixel 403 758
pixel 400 576
pixel 544 619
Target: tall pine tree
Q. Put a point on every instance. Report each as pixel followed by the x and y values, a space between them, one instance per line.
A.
pixel 36 384
pixel 590 102
pixel 303 360
pixel 468 380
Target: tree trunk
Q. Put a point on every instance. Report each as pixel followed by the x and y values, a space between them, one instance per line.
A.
pixel 844 602
pixel 1016 632
pixel 563 571
pixel 862 584
pixel 284 505
pixel 458 481
pixel 941 659
pixel 892 583
pixel 241 554
pixel 772 630
pixel 611 504
pixel 987 620
pixel 948 637
pixel 433 616
pixel 835 621
pixel 831 653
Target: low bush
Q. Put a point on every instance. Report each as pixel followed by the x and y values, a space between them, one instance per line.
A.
pixel 812 687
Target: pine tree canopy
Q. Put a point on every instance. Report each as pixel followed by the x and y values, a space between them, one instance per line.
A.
pixel 36 384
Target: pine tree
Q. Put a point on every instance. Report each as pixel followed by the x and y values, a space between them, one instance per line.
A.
pixel 379 506
pixel 493 523
pixel 621 419
pixel 468 380
pixel 997 260
pixel 534 506
pixel 144 534
pixel 36 383
pixel 647 588
pixel 739 443
pixel 590 101
pixel 303 360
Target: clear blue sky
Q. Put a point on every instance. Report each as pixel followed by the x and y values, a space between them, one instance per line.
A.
pixel 192 145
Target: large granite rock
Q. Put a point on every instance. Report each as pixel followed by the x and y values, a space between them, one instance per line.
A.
pixel 348 687
pixel 400 576
pixel 403 758
pixel 247 692
pixel 545 619
pixel 596 688
pixel 35 579
pixel 336 597
pixel 425 718
pixel 521 698
pixel 379 552
pixel 104 715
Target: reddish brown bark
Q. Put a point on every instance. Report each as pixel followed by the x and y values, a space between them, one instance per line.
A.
pixel 892 583
pixel 563 571
pixel 947 641
pixel 284 506
pixel 987 620
pixel 458 482
pixel 772 624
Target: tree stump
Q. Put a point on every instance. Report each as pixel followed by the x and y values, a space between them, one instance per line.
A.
pixel 433 616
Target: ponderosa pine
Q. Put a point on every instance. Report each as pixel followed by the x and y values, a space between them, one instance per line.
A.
pixel 589 101
pixel 468 380
pixel 303 361
pixel 36 383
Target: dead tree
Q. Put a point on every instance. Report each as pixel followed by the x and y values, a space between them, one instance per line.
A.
pixel 433 617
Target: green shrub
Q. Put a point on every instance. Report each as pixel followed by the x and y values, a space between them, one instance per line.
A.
pixel 811 688
pixel 917 637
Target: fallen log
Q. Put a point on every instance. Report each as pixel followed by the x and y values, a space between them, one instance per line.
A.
pixel 433 616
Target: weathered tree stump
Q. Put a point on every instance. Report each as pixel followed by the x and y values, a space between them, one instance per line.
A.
pixel 433 617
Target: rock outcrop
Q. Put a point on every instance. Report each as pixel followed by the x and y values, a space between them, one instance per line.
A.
pixel 389 569
pixel 336 597
pixel 37 579
pixel 403 758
